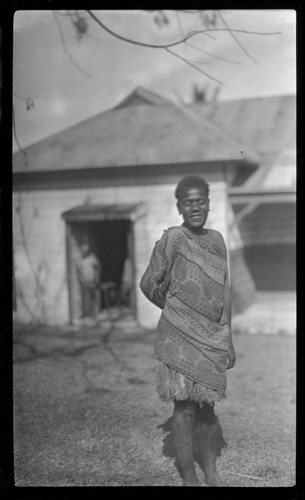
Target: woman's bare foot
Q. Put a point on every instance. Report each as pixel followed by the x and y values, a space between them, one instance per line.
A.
pixel 213 479
pixel 191 482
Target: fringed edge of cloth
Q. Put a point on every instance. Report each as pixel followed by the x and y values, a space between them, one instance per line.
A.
pixel 172 385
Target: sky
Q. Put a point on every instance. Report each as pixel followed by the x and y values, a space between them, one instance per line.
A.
pixel 69 80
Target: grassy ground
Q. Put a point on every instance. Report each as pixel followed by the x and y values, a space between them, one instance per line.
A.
pixel 86 413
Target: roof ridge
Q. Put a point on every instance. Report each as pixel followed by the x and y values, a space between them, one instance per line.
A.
pixel 145 94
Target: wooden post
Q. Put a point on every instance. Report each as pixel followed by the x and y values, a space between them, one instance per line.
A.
pixel 68 267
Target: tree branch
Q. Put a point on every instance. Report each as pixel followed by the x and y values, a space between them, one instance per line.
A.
pixel 65 48
pixel 16 137
pixel 20 295
pixel 25 99
pixel 172 44
pixel 39 286
pixel 192 65
pixel 235 38
pixel 199 49
pixel 211 54
pixel 197 62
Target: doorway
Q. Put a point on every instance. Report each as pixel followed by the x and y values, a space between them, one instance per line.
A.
pixel 110 236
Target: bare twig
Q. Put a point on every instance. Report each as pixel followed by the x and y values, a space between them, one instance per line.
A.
pixel 39 286
pixel 172 44
pixel 20 294
pixel 65 47
pixel 16 137
pixel 195 12
pixel 198 62
pixel 208 34
pixel 235 38
pixel 193 65
pixel 25 99
pixel 199 49
pixel 211 54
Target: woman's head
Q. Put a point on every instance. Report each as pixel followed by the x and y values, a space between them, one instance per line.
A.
pixel 191 181
pixel 192 193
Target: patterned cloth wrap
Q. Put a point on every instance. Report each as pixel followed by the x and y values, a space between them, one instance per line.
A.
pixel 187 275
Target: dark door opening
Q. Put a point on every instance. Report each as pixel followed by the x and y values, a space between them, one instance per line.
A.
pixel 112 243
pixel 109 232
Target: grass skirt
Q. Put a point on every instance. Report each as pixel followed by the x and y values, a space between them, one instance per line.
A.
pixel 171 385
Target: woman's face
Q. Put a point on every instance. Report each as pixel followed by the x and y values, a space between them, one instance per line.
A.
pixel 194 207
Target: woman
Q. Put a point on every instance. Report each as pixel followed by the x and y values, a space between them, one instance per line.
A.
pixel 187 278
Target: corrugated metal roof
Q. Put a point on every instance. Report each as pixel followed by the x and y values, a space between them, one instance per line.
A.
pixel 268 125
pixel 132 134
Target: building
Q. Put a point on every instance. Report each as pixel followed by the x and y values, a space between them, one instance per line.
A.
pixel 110 181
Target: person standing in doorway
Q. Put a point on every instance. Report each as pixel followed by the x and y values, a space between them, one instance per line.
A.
pixel 187 277
pixel 88 271
pixel 126 282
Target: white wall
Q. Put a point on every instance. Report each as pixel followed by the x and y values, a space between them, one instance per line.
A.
pixel 39 242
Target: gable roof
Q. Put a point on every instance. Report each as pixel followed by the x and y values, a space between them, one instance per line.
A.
pixel 268 125
pixel 144 129
pixel 142 96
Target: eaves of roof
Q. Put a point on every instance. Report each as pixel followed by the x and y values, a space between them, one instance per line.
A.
pixel 243 197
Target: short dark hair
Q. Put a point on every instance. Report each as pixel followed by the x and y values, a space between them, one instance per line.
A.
pixel 191 181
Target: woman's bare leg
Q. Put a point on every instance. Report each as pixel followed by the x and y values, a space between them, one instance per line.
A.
pixel 211 442
pixel 183 417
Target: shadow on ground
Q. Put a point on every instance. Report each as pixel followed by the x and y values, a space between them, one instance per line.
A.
pixel 40 341
pixel 86 412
